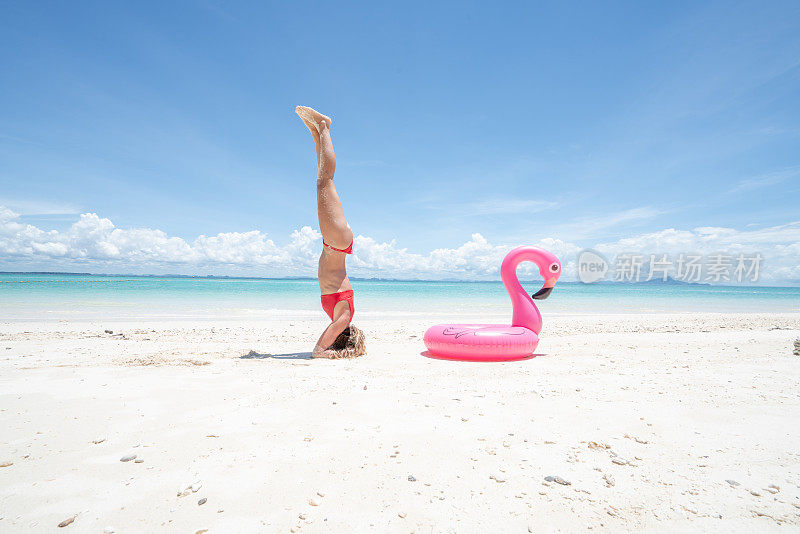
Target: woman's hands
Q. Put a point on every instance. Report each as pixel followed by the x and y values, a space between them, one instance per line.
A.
pixel 322 352
pixel 330 334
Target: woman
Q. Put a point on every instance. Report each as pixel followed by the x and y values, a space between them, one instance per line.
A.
pixel 340 339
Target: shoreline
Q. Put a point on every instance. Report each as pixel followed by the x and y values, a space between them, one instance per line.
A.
pixel 311 278
pixel 414 317
pixel 238 314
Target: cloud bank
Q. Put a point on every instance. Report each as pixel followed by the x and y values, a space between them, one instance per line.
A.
pixel 93 243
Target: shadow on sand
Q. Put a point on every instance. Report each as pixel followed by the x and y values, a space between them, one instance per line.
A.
pixel 253 355
pixel 427 354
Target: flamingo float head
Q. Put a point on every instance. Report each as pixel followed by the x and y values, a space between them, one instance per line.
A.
pixel 550 269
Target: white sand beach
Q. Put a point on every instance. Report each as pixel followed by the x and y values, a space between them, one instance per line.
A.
pixel 680 422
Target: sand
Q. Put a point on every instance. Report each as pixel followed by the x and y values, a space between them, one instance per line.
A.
pixel 656 422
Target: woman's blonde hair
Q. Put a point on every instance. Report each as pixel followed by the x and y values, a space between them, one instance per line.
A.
pixel 350 343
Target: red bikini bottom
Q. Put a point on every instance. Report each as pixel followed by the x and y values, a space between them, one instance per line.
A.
pixel 329 302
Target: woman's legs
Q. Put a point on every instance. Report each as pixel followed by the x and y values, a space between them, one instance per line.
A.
pixel 332 222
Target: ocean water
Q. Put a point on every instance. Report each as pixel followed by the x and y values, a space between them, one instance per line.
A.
pixel 63 296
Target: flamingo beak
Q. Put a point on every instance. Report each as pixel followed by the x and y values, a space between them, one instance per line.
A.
pixel 546 290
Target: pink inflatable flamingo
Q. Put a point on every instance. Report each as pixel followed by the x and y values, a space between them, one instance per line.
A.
pixel 494 342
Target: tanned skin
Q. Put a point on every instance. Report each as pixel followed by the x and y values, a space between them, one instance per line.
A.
pixel 332 272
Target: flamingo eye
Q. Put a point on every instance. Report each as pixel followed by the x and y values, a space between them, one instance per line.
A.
pixel 554 268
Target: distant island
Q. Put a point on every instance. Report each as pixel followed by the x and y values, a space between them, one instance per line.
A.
pixel 655 282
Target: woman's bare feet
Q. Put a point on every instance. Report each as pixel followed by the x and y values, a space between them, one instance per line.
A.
pixel 312 117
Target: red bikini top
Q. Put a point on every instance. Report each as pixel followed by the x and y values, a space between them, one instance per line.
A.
pixel 348 250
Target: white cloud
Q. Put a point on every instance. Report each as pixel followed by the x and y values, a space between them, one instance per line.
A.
pixel 779 245
pixel 632 215
pixel 490 206
pixel 765 180
pixel 93 243
pixel 592 225
pixel 97 239
pixel 475 259
pixel 364 163
pixel 507 205
pixel 37 207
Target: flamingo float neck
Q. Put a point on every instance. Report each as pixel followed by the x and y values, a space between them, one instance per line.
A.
pixel 525 314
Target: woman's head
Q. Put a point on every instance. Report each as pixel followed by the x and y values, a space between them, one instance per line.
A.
pixel 350 343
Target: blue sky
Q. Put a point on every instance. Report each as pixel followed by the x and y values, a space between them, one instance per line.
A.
pixel 586 123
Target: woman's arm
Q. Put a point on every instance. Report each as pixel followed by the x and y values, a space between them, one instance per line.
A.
pixel 331 333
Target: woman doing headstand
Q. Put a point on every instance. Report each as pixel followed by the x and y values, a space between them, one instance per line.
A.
pixel 337 239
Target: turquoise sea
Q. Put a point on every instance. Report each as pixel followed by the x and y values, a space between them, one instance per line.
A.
pixel 62 296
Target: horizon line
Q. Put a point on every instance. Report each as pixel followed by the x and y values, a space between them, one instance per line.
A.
pixel 670 281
